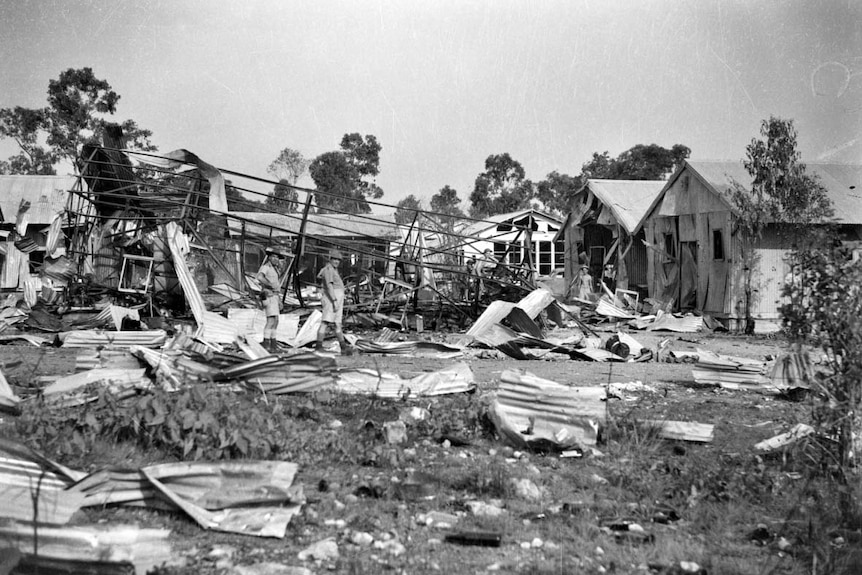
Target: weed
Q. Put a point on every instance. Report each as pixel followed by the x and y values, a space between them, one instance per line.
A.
pixel 195 423
pixel 492 480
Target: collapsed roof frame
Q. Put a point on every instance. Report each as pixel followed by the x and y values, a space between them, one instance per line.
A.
pixel 174 187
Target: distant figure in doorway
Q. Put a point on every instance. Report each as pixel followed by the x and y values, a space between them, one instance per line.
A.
pixel 609 277
pixel 584 283
pixel 269 278
pixel 332 299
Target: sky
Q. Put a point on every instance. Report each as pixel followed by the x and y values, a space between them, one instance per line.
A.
pixel 443 84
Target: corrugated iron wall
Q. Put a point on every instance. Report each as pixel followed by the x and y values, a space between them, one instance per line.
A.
pixel 769 281
pixel 636 263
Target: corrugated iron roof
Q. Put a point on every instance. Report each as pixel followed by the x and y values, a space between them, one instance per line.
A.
pixel 324 225
pixel 47 196
pixel 843 182
pixel 628 200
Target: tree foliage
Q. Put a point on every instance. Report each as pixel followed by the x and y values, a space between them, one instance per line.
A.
pixel 407 209
pixel 345 178
pixel 824 308
pixel 446 201
pixel 290 165
pixel 24 126
pixel 781 191
pixel 447 207
pixel 284 197
pixel 79 105
pixel 238 202
pixel 781 194
pixel 78 108
pixel 503 187
pixel 556 191
pixel 640 162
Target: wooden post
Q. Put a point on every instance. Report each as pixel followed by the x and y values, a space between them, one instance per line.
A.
pixel 292 277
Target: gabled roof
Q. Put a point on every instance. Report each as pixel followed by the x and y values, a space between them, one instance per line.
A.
pixel 628 200
pixel 47 195
pixel 322 225
pixel 843 183
pixel 492 221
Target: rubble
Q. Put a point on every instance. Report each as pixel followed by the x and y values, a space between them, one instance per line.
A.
pixel 540 414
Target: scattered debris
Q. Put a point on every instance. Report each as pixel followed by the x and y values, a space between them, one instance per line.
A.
pixel 324 550
pixel 103 548
pixel 414 348
pixel 479 538
pixel 457 378
pixel 536 413
pixel 685 430
pixel 732 372
pixel 797 432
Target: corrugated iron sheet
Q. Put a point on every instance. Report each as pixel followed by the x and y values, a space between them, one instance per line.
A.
pixel 416 348
pixel 82 338
pixel 91 549
pixel 534 412
pixel 47 195
pixel 457 378
pixel 686 324
pixel 731 372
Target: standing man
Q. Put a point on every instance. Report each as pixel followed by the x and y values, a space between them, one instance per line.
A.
pixel 332 298
pixel 485 267
pixel 269 277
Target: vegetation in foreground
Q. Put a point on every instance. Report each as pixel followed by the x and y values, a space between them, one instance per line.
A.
pixel 718 505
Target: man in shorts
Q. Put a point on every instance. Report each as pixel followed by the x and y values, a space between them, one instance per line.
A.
pixel 332 298
pixel 269 277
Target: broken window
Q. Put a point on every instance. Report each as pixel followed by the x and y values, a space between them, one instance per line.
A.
pixel 717 245
pixel 500 251
pixel 669 246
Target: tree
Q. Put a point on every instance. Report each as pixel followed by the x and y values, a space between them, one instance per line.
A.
pixel 501 188
pixel 237 202
pixel 284 197
pixel 289 166
pixel 24 125
pixel 557 191
pixel 77 111
pixel 640 162
pixel 407 208
pixel 599 167
pixel 648 162
pixel 824 309
pixel 345 178
pixel 446 206
pixel 781 194
pixel 337 181
pixel 364 155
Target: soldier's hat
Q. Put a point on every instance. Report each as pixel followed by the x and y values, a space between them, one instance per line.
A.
pixel 276 251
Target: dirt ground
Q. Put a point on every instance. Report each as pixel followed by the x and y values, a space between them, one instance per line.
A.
pixel 635 474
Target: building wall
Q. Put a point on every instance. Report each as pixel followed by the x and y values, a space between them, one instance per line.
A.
pixel 548 255
pixel 691 217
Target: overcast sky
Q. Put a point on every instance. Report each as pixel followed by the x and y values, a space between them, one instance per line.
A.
pixel 445 84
